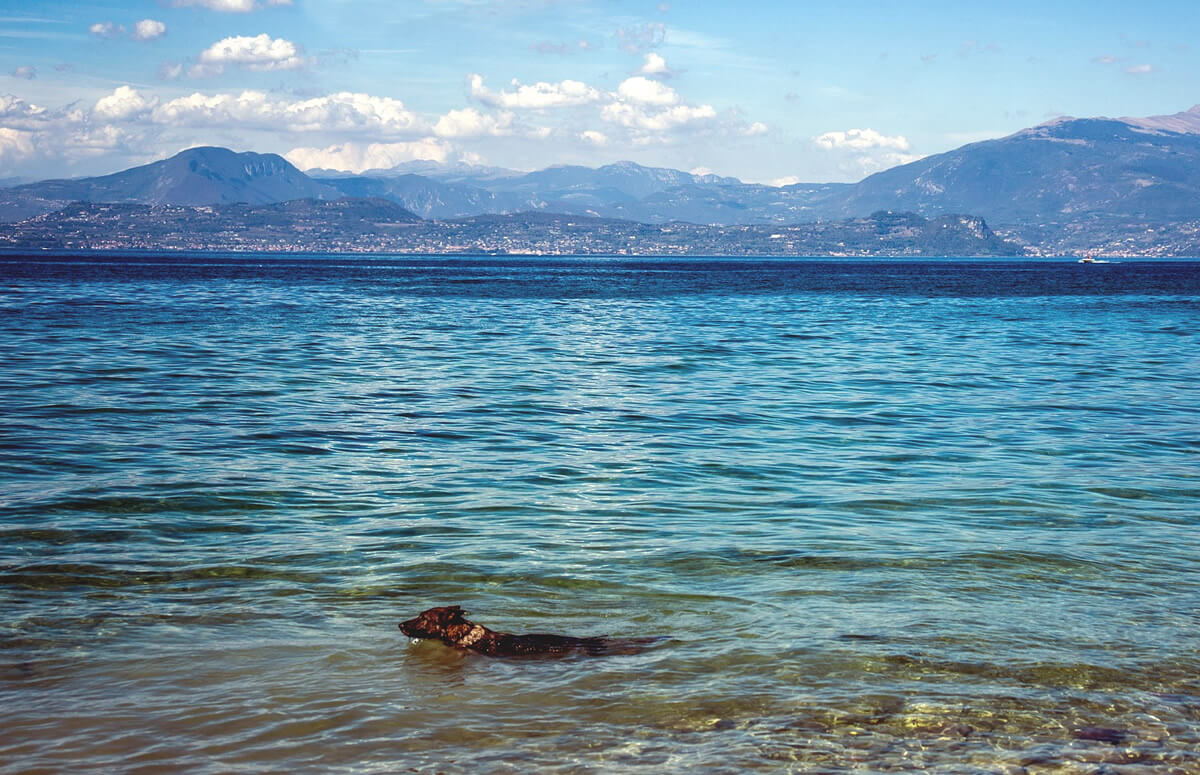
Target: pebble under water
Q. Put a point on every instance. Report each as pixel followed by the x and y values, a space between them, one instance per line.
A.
pixel 890 515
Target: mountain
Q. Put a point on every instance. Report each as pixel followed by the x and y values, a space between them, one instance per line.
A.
pixel 431 198
pixel 1060 171
pixel 626 179
pixel 357 225
pixel 197 176
pixel 1128 185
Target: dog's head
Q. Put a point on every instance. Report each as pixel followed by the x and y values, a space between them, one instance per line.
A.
pixel 434 622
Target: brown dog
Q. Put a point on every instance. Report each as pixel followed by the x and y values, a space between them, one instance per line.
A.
pixel 449 625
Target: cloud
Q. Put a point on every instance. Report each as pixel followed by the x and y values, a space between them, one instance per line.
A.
pixel 636 40
pixel 1140 69
pixel 124 104
pixel 637 117
pixel 471 123
pixel 17 113
pixel 1108 59
pixel 655 65
pixel 537 96
pixel 15 145
pixel 27 72
pixel 788 180
pixel 148 29
pixel 261 52
pixel 341 112
pixel 227 6
pixel 865 151
pixel 359 157
pixel 594 137
pixel 647 92
pixel 860 139
pixel 106 30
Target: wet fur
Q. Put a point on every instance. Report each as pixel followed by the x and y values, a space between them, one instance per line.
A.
pixel 449 625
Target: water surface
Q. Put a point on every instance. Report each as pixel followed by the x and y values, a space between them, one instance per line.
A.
pixel 892 515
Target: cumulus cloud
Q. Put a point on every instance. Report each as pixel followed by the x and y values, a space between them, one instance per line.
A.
pixel 360 157
pixel 15 145
pixel 27 72
pixel 639 118
pixel 471 123
pixel 17 113
pixel 536 96
pixel 260 52
pixel 1140 69
pixel 757 128
pixel 228 6
pixel 860 139
pixel 124 104
pixel 647 92
pixel 865 151
pixel 655 65
pixel 341 112
pixel 594 137
pixel 148 29
pixel 106 30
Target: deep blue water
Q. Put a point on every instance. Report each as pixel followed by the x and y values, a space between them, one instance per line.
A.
pixel 893 515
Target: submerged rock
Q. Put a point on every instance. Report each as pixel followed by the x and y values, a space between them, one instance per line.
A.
pixel 1100 734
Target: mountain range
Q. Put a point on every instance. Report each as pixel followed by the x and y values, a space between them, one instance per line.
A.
pixel 1068 184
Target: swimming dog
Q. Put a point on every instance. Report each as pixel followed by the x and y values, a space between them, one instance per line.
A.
pixel 449 625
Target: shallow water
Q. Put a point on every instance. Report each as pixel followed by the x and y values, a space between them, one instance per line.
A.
pixel 891 515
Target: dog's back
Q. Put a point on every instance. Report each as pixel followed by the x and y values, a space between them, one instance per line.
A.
pixel 449 625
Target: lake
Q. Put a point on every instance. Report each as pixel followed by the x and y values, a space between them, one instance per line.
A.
pixel 890 515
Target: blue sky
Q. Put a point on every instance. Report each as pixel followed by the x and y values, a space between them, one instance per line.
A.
pixel 767 91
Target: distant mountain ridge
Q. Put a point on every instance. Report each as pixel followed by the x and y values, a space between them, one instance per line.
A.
pixel 1067 184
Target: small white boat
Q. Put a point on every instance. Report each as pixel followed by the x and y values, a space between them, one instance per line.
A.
pixel 1088 259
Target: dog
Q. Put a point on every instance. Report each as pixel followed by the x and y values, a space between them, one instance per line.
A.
pixel 449 625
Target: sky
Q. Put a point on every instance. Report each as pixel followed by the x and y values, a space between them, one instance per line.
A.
pixel 769 92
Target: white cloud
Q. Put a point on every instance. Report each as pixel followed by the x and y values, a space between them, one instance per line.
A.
pixel 757 128
pixel 27 72
pixel 15 145
pixel 471 123
pixel 340 112
pixel 594 137
pixel 106 30
pixel 17 113
pixel 1140 69
pixel 788 180
pixel 261 52
pixel 227 6
pixel 148 29
pixel 654 65
pixel 865 151
pixel 860 139
pixel 535 96
pixel 647 92
pixel 638 118
pixel 359 157
pixel 124 104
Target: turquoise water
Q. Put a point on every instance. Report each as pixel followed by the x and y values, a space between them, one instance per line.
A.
pixel 892 516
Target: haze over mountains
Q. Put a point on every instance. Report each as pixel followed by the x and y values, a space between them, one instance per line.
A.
pixel 1101 182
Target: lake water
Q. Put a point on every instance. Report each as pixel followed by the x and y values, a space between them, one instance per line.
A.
pixel 892 515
